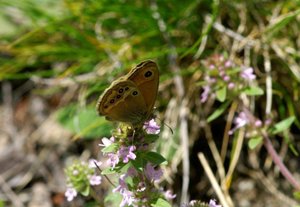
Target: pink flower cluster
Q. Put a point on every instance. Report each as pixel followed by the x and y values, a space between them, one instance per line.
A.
pixel 87 172
pixel 222 72
pixel 128 196
pixel 151 127
pixel 246 118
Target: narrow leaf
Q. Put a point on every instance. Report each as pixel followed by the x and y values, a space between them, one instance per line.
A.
pixel 253 142
pixel 221 94
pixel 281 22
pixel 155 158
pixel 108 171
pixel 111 148
pixel 138 163
pixel 150 138
pixel 283 125
pixel 161 203
pixel 218 112
pixel 254 91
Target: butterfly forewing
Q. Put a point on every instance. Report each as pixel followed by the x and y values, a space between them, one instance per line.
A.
pixel 122 102
pixel 146 77
pixel 131 97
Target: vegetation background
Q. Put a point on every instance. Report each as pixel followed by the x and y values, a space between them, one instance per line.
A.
pixel 56 58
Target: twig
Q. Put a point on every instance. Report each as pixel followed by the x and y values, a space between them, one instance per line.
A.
pixel 292 64
pixel 269 185
pixel 225 202
pixel 267 66
pixel 183 105
pixel 8 103
pixel 10 193
pixel 185 145
pixel 232 110
pixel 233 34
pixel 235 158
pixel 277 160
pixel 214 150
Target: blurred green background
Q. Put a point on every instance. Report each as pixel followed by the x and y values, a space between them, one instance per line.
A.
pixel 57 57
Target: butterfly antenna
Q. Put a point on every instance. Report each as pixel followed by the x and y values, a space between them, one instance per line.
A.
pixel 166 126
pixel 104 175
pixel 169 128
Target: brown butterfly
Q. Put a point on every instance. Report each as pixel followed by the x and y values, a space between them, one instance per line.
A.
pixel 131 97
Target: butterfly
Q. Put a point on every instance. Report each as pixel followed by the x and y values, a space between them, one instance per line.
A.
pixel 131 98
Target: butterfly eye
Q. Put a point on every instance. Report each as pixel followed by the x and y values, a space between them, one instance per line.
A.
pixel 105 106
pixel 112 101
pixel 118 96
pixel 126 88
pixel 148 74
pixel 121 90
pixel 134 93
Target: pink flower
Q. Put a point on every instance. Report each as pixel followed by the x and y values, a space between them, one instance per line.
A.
pixel 70 194
pixel 205 93
pixel 106 142
pixel 239 121
pixel 152 174
pixel 94 163
pixel 231 85
pixel 131 172
pixel 95 180
pixel 228 64
pixel 258 123
pixel 122 184
pixel 126 153
pixel 212 203
pixel 113 159
pixel 247 73
pixel 151 127
pixel 128 198
pixel 226 78
pixel 169 196
pixel 268 122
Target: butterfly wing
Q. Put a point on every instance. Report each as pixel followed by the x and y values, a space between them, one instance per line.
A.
pixel 123 101
pixel 146 77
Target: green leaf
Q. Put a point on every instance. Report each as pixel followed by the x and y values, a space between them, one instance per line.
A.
pixel 283 125
pixel 111 148
pixel 161 203
pixel 280 22
pixel 138 163
pixel 83 121
pixel 124 169
pixel 254 91
pixel 155 158
pixel 112 198
pixel 297 195
pixel 150 138
pixel 2 204
pixel 218 112
pixel 108 171
pixel 221 94
pixel 253 142
pixel 85 191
